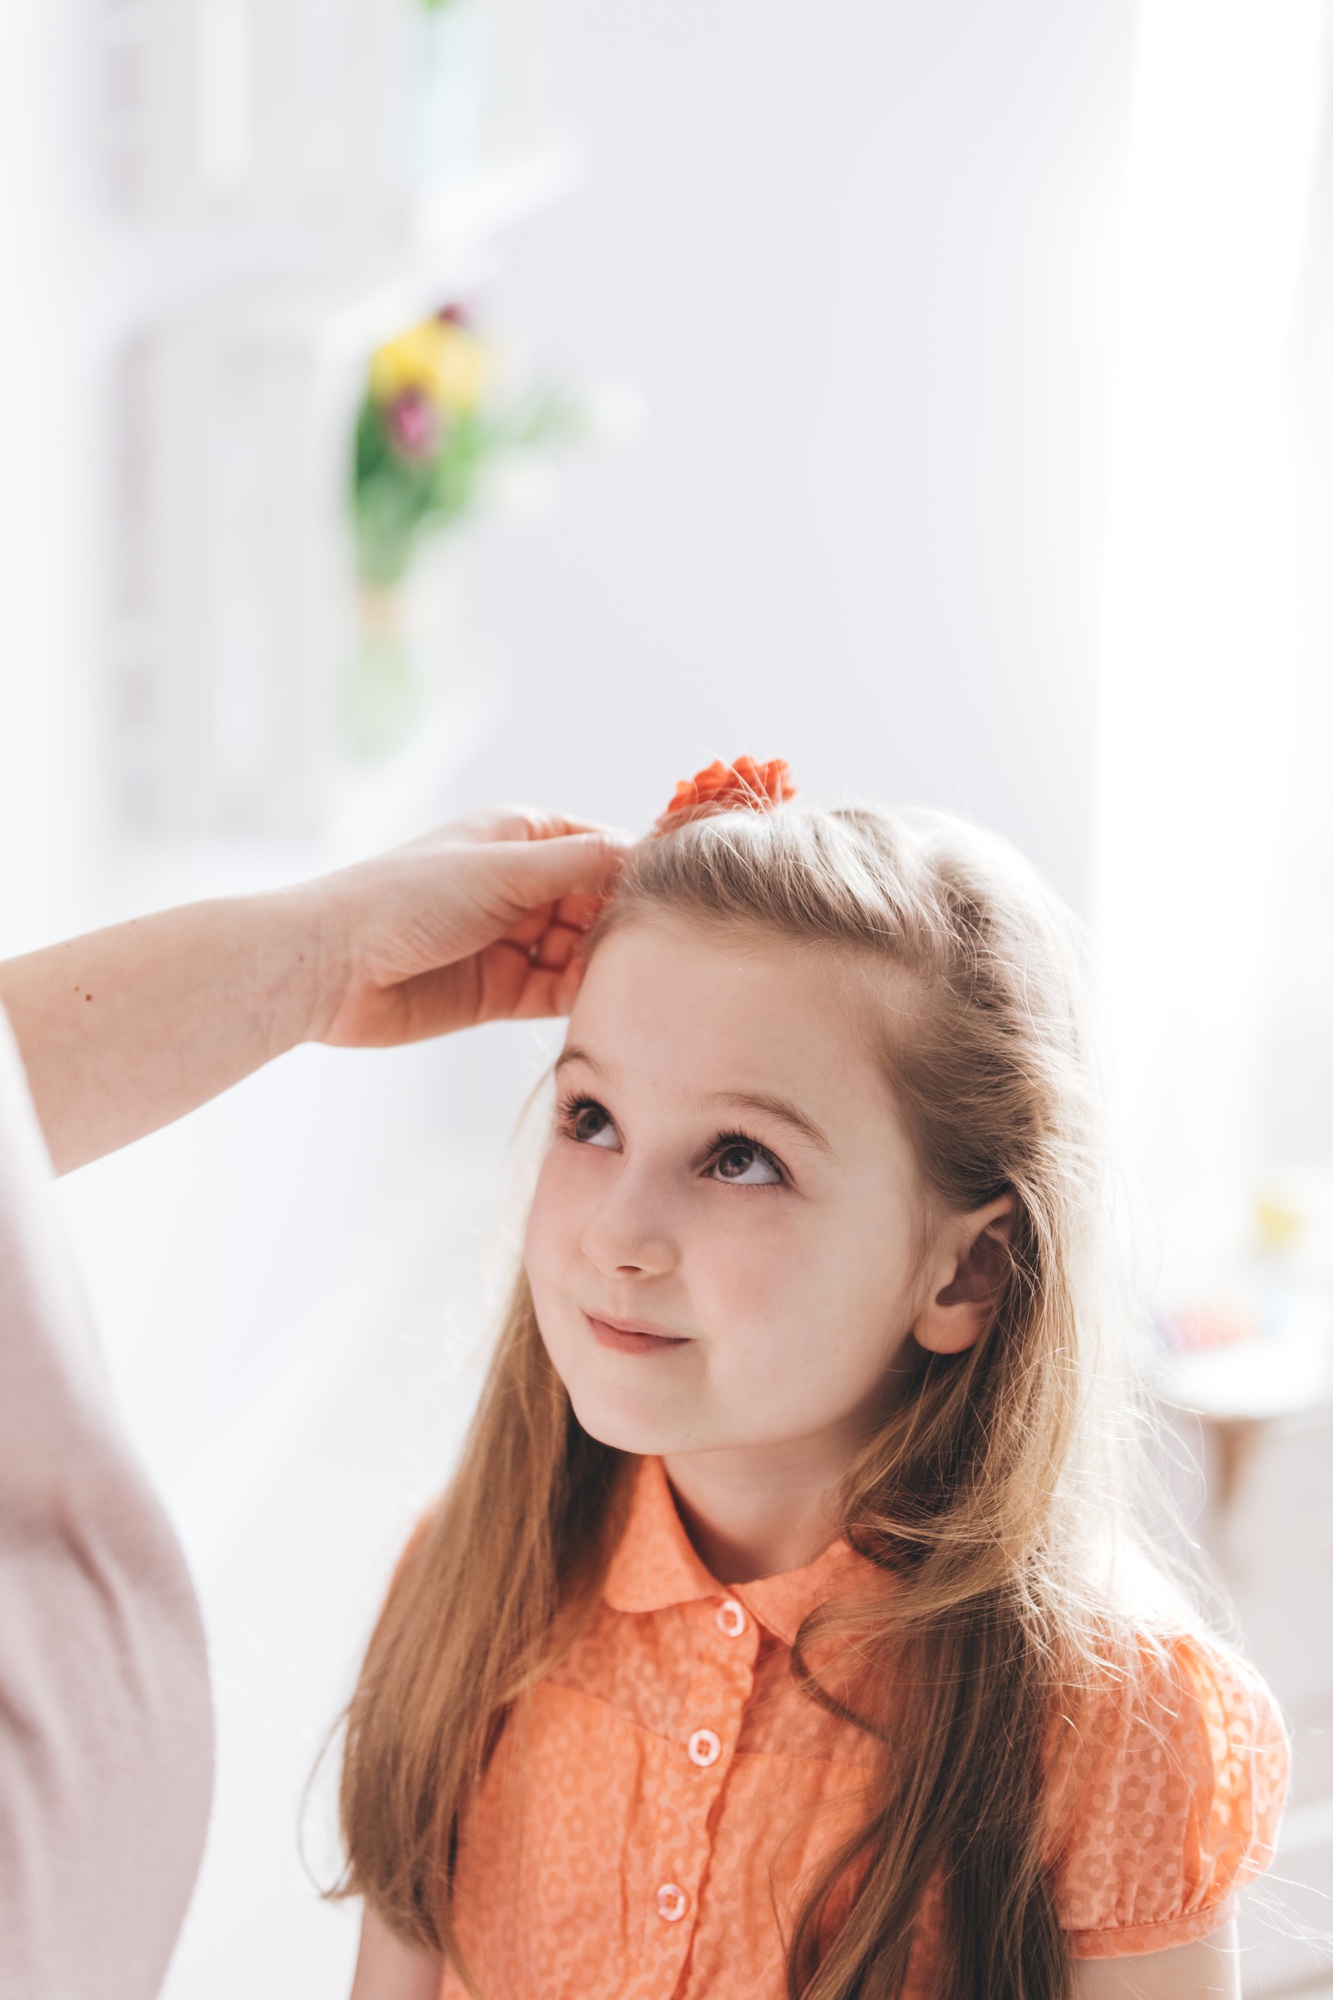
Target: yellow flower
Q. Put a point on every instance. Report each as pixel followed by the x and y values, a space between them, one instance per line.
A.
pixel 443 361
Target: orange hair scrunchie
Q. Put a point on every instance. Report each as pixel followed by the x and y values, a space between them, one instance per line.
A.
pixel 727 787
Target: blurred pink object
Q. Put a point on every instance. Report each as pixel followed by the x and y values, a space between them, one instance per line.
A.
pixel 1205 1323
pixel 106 1743
pixel 413 423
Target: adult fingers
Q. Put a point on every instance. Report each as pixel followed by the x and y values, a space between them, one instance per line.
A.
pixel 551 870
pixel 523 823
pixel 556 946
pixel 574 914
pixel 548 993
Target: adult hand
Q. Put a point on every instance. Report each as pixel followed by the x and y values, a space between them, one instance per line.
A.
pixel 478 921
pixel 125 1029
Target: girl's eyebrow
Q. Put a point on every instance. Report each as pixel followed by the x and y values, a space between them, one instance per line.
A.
pixel 771 1106
pixel 573 1054
pixel 780 1108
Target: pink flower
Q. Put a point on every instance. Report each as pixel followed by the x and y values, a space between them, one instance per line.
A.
pixel 413 424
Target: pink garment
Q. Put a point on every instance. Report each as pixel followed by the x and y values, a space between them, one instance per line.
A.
pixel 105 1722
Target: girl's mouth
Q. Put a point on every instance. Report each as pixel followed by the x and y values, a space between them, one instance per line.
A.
pixel 632 1337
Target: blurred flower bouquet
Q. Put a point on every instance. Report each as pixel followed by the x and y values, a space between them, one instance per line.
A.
pixel 436 426
pixel 433 424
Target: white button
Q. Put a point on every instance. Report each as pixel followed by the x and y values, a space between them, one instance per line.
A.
pixel 672 1902
pixel 731 1618
pixel 705 1748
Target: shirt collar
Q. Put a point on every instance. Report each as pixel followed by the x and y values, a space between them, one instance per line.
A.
pixel 655 1566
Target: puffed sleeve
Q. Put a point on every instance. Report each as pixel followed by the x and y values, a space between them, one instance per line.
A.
pixel 1170 1798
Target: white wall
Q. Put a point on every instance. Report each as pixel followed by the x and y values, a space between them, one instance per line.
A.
pixel 860 258
pixel 49 473
pixel 1215 835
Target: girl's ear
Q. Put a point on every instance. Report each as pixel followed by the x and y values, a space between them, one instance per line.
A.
pixel 970 1270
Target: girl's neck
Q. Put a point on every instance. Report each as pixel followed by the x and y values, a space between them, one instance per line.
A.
pixel 754 1514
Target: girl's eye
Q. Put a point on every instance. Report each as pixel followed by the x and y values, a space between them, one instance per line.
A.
pixel 588 1124
pixel 745 1163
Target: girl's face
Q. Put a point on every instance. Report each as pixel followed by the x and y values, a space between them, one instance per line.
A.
pixel 724 1246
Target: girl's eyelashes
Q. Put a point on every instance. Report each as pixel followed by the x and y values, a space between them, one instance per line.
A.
pixel 733 1157
pixel 742 1162
pixel 588 1123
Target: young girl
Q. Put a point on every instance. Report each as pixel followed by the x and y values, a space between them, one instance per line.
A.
pixel 782 1632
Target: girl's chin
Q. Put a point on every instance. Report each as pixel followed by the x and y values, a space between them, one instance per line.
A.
pixel 627 1426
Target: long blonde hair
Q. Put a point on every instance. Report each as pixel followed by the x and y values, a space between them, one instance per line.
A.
pixel 988 1496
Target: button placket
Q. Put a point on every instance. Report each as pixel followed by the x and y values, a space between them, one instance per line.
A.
pixel 711 1712
pixel 719 1690
pixel 712 1718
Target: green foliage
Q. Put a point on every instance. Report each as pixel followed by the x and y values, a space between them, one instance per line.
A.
pixel 398 499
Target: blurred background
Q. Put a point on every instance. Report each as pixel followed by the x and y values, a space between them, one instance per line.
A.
pixel 412 403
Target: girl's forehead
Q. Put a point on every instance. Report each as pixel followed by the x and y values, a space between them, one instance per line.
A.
pixel 724 957
pixel 707 1006
pixel 716 965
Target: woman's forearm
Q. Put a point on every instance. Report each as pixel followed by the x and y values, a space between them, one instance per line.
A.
pixel 125 1029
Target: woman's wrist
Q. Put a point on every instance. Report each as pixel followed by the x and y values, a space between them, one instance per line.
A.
pixel 320 960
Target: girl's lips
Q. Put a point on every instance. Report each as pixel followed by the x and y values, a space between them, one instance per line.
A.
pixel 630 1337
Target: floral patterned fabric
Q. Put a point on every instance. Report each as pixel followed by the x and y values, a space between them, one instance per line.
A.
pixel 648 1827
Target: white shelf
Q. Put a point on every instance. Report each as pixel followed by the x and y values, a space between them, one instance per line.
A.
pixel 372 807
pixel 233 617
pixel 293 182
pixel 151 269
pixel 327 115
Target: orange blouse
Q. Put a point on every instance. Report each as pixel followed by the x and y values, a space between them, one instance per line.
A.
pixel 633 1839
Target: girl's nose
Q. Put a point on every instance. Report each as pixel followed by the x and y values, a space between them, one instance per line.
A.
pixel 626 1234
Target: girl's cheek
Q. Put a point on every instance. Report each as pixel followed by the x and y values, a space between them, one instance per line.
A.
pixel 754 1272
pixel 549 1225
pixel 568 1188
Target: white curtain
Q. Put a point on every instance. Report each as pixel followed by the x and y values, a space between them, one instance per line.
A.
pixel 1214 870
